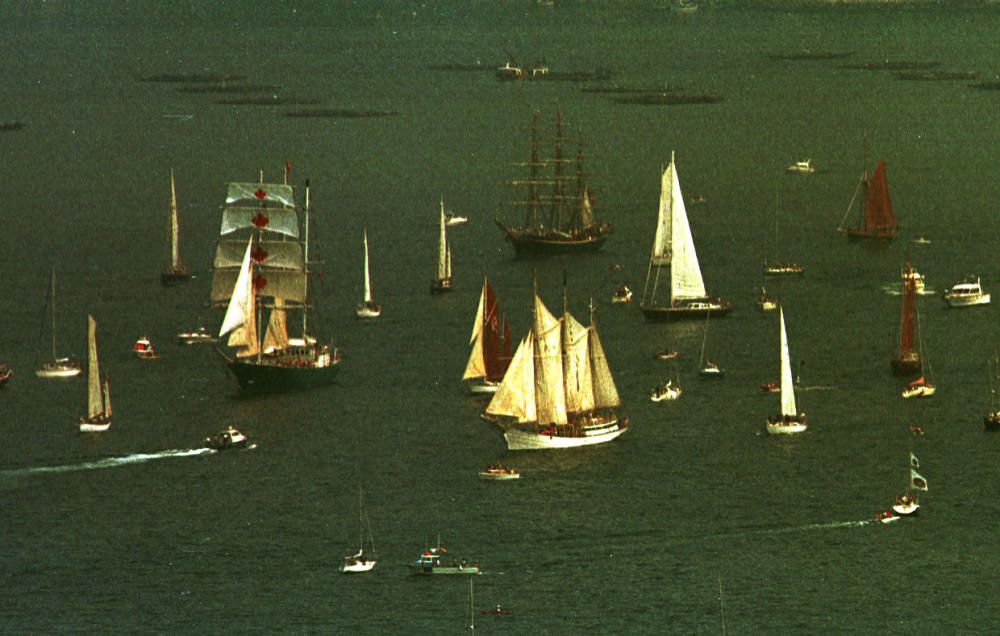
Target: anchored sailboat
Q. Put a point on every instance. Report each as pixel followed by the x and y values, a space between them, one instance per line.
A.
pixel 361 561
pixel 558 391
pixel 875 219
pixel 920 387
pixel 98 417
pixel 442 281
pixel 57 367
pixel 175 271
pixel 906 505
pixel 570 227
pixel 368 308
pixel 490 355
pixel 779 268
pixel 790 420
pixel 907 360
pixel 271 275
pixel 673 247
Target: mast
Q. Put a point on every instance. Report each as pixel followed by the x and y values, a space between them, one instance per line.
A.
pixel 305 261
pixel 532 220
pixel 557 185
pixel 52 296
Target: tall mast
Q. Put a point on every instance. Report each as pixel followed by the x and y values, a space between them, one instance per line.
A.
pixel 52 300
pixel 305 256
pixel 557 185
pixel 532 220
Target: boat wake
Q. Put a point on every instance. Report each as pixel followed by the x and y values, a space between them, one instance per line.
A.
pixel 896 289
pixel 816 387
pixel 110 462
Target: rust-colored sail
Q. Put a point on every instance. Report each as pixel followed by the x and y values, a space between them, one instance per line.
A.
pixel 491 335
pixel 879 220
pixel 906 319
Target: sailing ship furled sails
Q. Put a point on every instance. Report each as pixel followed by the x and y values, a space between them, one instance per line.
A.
pixel 559 220
pixel 98 417
pixel 558 391
pixel 673 248
pixel 907 360
pixel 175 271
pixel 442 281
pixel 368 308
pixel 261 266
pixel 789 420
pixel 875 219
pixel 490 355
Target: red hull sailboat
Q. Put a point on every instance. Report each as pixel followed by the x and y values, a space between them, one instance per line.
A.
pixel 876 220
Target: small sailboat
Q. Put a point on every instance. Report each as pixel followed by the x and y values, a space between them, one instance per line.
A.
pixel 707 368
pixel 490 355
pixel 906 505
pixel 442 281
pixel 875 219
pixel 670 390
pixel 361 561
pixel 673 247
pixel 790 420
pixel 58 367
pixel 921 387
pixel 766 301
pixel 779 268
pixel 804 166
pixel 368 308
pixel 98 416
pixel 175 271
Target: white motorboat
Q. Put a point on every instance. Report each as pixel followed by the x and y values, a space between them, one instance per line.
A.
pixel 143 348
pixel 906 505
pixel 666 391
pixel 802 167
pixel 622 294
pixel 227 440
pixel 886 516
pixel 496 472
pixel 198 336
pixel 967 293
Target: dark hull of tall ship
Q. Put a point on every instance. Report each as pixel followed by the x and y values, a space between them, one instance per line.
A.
pixel 857 234
pixel 277 374
pixel 172 277
pixel 905 365
pixel 441 285
pixel 991 421
pixel 545 242
pixel 706 307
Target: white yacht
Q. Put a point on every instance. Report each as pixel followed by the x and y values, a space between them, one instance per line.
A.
pixel 967 293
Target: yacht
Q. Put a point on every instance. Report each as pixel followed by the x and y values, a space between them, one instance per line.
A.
pixel 802 167
pixel 967 293
pixel 227 439
pixel 143 348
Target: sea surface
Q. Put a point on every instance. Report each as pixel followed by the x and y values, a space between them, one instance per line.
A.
pixel 695 521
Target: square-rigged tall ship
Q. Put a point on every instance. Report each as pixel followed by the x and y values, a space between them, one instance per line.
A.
pixel 262 265
pixel 570 226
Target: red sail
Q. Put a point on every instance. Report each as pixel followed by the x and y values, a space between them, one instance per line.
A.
pixel 491 335
pixel 906 317
pixel 879 220
pixel 505 355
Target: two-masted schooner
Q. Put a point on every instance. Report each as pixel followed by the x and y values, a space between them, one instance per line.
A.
pixel 262 265
pixel 673 248
pixel 560 214
pixel 98 417
pixel 175 272
pixel 558 391
pixel 490 341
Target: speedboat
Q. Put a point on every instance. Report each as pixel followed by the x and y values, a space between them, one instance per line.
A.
pixel 499 611
pixel 918 388
pixel 967 293
pixel 992 421
pixel 906 505
pixel 886 516
pixel 509 71
pixel 6 373
pixel 227 440
pixel 452 220
pixel 431 561
pixel 770 387
pixel 622 294
pixel 665 392
pixel 496 472
pixel 666 354
pixel 143 348
pixel 782 269
pixel 910 275
pixel 802 167
pixel 916 429
pixel 198 336
pixel 711 370
pixel 357 562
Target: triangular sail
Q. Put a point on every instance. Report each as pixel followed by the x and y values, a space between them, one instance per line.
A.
pixel 95 396
pixel 368 274
pixel 174 230
pixel 276 336
pixel 787 384
pixel 878 206
pixel 549 390
pixel 906 317
pixel 476 366
pixel 516 395
pixel 107 398
pixel 576 366
pixel 605 392
pixel 241 314
pixel 685 272
pixel 444 254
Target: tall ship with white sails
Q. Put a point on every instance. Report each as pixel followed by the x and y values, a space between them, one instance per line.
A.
pixel 261 267
pixel 673 248
pixel 558 391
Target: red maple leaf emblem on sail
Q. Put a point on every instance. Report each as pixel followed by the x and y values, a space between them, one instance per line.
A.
pixel 260 220
pixel 259 282
pixel 260 194
pixel 259 254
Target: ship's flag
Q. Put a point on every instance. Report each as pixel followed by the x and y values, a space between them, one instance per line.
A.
pixel 917 481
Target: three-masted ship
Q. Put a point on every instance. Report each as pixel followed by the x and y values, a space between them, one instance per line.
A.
pixel 874 217
pixel 560 207
pixel 262 267
pixel 558 391
pixel 175 272
pixel 673 248
pixel 490 341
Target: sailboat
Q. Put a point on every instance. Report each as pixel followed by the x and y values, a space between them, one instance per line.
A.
pixel 673 247
pixel 707 368
pixel 368 308
pixel 765 301
pixel 98 416
pixel 670 390
pixel 570 227
pixel 992 418
pixel 907 360
pixel 442 281
pixel 779 268
pixel 790 420
pixel 361 561
pixel 57 367
pixel 175 271
pixel 558 391
pixel 270 273
pixel 920 387
pixel 906 505
pixel 875 219
pixel 490 355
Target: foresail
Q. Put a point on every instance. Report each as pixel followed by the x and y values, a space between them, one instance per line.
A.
pixel 175 249
pixel 549 389
pixel 576 366
pixel 661 243
pixel 685 272
pixel 516 395
pixel 605 391
pixel 787 384
pixel 241 302
pixel 95 403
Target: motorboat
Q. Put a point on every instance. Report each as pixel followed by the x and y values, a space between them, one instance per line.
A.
pixel 712 370
pixel 227 440
pixel 802 167
pixel 780 269
pixel 967 293
pixel 666 354
pixel 432 561
pixel 622 294
pixel 918 388
pixel 452 220
pixel 770 387
pixel 510 71
pixel 6 373
pixel 198 336
pixel 886 516
pixel 499 611
pixel 496 472
pixel 910 275
pixel 143 348
pixel 668 391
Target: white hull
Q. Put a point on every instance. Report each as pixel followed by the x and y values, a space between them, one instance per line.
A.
pixel 499 476
pixel 91 427
pixel 785 428
pixel 520 439
pixel 367 312
pixel 59 372
pixel 888 518
pixel 356 568
pixel 665 393
pixel 483 387
pixel 968 301
pixel 919 391
pixel 906 510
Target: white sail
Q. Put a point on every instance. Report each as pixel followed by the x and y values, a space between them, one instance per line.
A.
pixel 444 256
pixel 516 395
pixel 549 390
pixel 95 397
pixel 661 242
pixel 476 366
pixel 605 391
pixel 685 273
pixel 175 250
pixel 107 398
pixel 787 385
pixel 241 314
pixel 280 194
pixel 576 366
pixel 276 336
pixel 368 274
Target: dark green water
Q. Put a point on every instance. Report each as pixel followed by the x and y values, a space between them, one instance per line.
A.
pixel 113 533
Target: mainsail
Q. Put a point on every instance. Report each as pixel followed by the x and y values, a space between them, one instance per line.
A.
pixel 516 396
pixel 549 388
pixel 95 395
pixel 276 336
pixel 878 206
pixel 485 359
pixel 368 274
pixel 444 250
pixel 787 384
pixel 174 230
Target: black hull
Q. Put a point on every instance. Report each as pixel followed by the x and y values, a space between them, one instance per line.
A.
pixel 991 421
pixel 266 378
pixel 857 234
pixel 905 367
pixel 663 314
pixel 441 286
pixel 170 279
pixel 527 242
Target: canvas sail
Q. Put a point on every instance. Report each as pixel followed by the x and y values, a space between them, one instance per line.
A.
pixel 878 206
pixel 576 366
pixel 476 366
pixel 276 336
pixel 174 230
pixel 368 274
pixel 107 398
pixel 685 272
pixel 95 401
pixel 444 256
pixel 272 194
pixel 605 392
pixel 240 321
pixel 516 395
pixel 787 385
pixel 550 393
